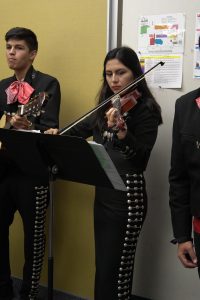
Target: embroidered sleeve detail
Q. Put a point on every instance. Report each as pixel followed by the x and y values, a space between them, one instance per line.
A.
pixel 128 152
pixel 124 147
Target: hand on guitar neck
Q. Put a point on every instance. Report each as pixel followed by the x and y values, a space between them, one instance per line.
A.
pixel 18 122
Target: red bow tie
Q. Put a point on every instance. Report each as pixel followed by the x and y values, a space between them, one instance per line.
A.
pixel 20 91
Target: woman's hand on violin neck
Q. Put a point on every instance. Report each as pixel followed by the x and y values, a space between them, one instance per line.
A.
pixel 51 131
pixel 116 123
pixel 112 116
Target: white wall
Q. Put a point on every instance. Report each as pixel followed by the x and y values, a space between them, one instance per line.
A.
pixel 158 273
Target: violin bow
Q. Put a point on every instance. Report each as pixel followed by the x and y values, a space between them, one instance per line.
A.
pixel 122 92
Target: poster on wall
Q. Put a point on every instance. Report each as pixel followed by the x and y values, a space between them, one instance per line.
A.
pixel 196 70
pixel 167 76
pixel 161 33
pixel 162 37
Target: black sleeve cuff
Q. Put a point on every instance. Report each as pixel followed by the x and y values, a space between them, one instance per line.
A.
pixel 181 240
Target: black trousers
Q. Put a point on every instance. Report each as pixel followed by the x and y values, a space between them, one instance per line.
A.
pixel 30 197
pixel 118 220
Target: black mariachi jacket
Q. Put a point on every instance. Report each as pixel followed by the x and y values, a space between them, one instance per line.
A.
pixel 41 83
pixel 132 153
pixel 184 176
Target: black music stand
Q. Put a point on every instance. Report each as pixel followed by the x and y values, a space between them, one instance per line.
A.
pixel 62 157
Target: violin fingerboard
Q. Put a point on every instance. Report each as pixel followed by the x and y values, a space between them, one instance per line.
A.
pixel 116 102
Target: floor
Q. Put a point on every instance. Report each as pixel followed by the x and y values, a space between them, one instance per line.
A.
pixel 57 295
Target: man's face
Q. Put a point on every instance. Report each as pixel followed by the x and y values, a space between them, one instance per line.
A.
pixel 19 56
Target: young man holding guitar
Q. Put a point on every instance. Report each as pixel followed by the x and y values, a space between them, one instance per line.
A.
pixel 18 191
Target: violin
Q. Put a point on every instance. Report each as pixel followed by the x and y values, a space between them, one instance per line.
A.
pixel 123 105
pixel 124 99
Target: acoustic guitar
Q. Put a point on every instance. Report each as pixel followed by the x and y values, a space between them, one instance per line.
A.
pixel 32 108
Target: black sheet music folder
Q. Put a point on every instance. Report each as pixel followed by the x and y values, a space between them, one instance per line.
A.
pixel 75 158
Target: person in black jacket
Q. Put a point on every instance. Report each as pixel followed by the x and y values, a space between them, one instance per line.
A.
pixel 184 179
pixel 128 139
pixel 18 191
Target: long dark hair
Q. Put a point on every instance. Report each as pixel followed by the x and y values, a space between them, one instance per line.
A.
pixel 129 58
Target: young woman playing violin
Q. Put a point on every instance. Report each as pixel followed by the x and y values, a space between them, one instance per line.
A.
pixel 128 139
